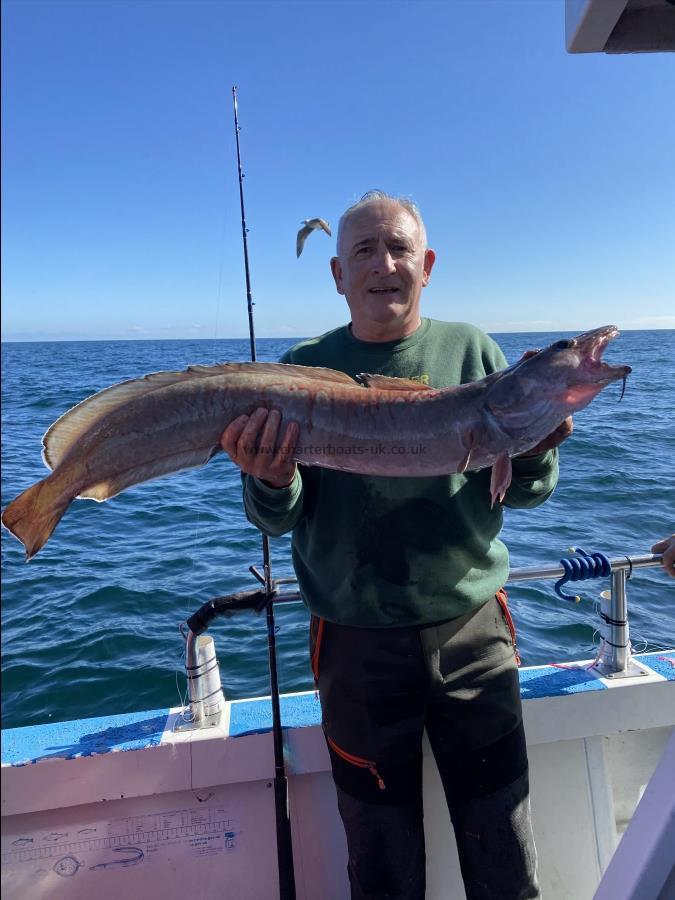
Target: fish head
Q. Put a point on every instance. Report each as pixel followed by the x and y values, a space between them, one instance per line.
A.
pixel 548 385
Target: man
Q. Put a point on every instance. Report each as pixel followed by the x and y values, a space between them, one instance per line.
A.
pixel 667 548
pixel 403 577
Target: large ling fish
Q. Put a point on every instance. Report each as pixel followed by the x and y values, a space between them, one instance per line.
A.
pixel 373 425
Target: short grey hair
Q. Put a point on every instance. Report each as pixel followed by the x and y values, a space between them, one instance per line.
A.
pixel 377 196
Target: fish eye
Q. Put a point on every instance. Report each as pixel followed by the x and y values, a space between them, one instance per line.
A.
pixel 563 345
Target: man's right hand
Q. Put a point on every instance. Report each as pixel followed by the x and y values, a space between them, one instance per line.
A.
pixel 667 547
pixel 250 442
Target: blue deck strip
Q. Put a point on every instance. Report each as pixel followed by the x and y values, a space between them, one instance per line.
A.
pixel 82 737
pixel 553 681
pixel 303 710
pixel 255 716
pixel 134 731
pixel 662 662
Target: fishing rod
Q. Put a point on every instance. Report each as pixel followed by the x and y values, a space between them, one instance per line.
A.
pixel 284 842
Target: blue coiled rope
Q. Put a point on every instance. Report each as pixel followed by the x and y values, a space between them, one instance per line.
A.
pixel 580 568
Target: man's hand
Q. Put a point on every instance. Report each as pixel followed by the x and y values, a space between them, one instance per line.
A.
pixel 554 439
pixel 250 442
pixel 667 547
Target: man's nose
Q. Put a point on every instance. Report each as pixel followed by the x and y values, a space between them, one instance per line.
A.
pixel 383 261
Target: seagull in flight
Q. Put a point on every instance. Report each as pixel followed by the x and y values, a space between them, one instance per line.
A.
pixel 310 225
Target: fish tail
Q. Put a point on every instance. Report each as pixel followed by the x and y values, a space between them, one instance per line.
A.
pixel 35 514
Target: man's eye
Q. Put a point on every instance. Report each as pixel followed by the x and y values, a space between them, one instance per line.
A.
pixel 362 251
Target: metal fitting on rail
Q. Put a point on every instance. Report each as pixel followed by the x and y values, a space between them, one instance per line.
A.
pixel 615 658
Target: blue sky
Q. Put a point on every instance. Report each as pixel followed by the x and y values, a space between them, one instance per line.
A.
pixel 545 179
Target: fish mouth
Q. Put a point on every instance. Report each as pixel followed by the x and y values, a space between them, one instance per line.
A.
pixel 591 346
pixel 594 371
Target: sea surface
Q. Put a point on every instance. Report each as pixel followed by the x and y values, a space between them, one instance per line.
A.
pixel 91 624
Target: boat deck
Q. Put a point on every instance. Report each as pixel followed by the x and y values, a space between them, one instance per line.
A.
pixel 126 804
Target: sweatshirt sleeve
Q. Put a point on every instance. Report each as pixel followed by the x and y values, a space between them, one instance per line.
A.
pixel 534 479
pixel 273 510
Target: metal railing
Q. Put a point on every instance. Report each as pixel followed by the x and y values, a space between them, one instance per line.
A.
pixel 614 658
pixel 613 661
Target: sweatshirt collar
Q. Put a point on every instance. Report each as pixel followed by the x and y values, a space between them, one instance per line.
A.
pixel 384 348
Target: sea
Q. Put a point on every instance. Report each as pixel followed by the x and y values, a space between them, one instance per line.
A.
pixel 91 624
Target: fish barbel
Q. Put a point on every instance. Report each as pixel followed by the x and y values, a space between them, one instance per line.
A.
pixel 372 424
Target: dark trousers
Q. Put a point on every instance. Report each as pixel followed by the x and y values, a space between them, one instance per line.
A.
pixel 379 690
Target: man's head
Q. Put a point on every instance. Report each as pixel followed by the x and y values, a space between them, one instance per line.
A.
pixel 382 265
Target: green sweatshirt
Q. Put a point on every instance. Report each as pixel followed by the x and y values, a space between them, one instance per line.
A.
pixel 375 551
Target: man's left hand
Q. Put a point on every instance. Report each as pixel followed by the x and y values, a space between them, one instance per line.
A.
pixel 667 547
pixel 554 439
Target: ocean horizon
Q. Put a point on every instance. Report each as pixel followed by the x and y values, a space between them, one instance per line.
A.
pixel 291 338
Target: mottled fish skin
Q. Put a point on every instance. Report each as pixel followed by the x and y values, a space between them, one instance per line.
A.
pixel 152 426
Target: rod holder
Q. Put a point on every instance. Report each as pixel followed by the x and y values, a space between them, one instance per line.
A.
pixel 615 659
pixel 205 693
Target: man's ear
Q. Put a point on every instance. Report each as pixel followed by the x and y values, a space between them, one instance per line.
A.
pixel 429 260
pixel 336 269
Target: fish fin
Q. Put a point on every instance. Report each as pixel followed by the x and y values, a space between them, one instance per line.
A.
pixel 464 464
pixel 189 459
pixel 65 433
pixel 387 383
pixel 467 441
pixel 501 477
pixel 70 428
pixel 35 514
pixel 279 370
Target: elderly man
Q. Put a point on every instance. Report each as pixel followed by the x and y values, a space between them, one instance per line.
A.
pixel 403 578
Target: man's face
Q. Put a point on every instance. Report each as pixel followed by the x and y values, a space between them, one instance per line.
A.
pixel 382 268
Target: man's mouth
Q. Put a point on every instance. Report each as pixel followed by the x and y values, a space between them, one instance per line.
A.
pixel 383 290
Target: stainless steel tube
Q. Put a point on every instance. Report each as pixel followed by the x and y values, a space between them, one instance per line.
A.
pixel 619 613
pixel 204 689
pixel 535 573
